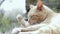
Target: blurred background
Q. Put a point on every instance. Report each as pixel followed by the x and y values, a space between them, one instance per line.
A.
pixel 53 4
pixel 7 24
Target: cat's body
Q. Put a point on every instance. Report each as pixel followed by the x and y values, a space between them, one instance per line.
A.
pixel 52 25
pixel 49 25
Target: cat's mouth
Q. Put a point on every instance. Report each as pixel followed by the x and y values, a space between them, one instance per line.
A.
pixel 33 22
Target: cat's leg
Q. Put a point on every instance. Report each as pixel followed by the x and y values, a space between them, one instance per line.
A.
pixel 33 27
pixel 16 30
pixel 22 21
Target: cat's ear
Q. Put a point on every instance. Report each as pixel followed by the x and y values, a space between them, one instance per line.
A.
pixel 31 6
pixel 39 5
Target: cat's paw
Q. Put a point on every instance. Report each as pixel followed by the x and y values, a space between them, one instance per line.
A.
pixel 19 17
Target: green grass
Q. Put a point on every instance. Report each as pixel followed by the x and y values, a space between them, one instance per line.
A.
pixel 56 10
pixel 5 24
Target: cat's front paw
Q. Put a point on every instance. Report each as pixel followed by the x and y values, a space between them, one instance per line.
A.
pixel 19 17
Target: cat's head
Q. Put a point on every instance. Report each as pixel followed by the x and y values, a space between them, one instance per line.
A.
pixel 37 13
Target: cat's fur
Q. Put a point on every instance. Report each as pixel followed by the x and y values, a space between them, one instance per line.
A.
pixel 51 25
